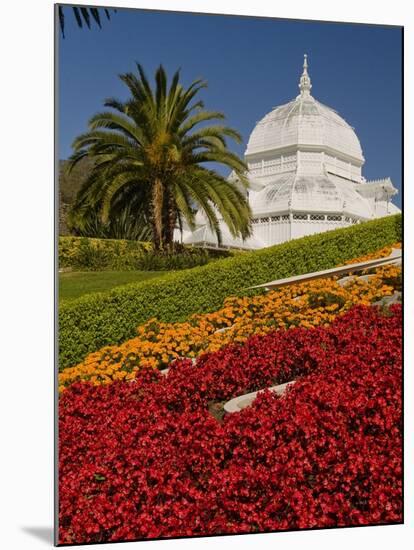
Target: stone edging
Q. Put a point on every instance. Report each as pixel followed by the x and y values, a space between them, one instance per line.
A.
pixel 242 401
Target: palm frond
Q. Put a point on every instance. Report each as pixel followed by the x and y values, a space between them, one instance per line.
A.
pixel 202 116
pixel 83 15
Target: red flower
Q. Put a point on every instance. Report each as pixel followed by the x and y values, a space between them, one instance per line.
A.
pixel 147 459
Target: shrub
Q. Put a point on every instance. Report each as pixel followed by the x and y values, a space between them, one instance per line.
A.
pixel 91 322
pixel 147 460
pixel 181 258
pixel 89 254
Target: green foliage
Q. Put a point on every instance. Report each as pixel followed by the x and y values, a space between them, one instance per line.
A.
pixel 169 261
pixel 89 254
pixel 83 253
pixel 70 182
pixel 124 223
pixel 91 322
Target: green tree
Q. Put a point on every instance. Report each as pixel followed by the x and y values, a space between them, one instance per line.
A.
pixel 153 152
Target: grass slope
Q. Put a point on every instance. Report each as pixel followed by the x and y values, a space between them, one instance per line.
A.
pixel 72 285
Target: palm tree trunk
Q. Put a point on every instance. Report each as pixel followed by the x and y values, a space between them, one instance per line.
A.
pixel 170 220
pixel 156 214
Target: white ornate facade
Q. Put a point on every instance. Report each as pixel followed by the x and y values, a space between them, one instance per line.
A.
pixel 305 177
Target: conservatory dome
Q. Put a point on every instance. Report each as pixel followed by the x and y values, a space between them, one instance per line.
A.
pixel 305 176
pixel 305 122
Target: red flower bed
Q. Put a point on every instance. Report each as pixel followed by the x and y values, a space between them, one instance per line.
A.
pixel 146 459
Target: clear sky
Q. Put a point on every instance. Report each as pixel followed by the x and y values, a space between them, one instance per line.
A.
pixel 251 65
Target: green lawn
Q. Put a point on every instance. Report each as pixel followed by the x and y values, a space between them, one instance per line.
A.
pixel 75 284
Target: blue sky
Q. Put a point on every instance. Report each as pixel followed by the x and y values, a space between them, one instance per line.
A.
pixel 251 65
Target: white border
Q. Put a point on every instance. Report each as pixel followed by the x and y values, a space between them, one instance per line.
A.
pixel 26 34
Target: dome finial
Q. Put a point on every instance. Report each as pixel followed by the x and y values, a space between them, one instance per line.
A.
pixel 305 81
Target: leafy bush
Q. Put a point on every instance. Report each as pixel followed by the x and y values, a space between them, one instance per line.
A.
pixel 183 258
pixel 147 460
pixel 89 254
pixel 84 253
pixel 92 322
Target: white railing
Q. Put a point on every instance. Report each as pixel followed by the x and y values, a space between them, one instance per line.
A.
pixel 394 257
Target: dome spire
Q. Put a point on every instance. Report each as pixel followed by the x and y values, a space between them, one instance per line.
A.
pixel 305 81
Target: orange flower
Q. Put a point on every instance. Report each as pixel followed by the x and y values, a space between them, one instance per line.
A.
pixel 307 304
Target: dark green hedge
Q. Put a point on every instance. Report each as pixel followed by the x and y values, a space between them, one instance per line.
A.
pixel 91 322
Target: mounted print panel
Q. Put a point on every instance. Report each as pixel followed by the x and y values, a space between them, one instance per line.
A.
pixel 230 275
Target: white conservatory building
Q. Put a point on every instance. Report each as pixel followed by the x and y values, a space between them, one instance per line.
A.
pixel 304 169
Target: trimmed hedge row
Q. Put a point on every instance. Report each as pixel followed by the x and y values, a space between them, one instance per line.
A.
pixel 92 322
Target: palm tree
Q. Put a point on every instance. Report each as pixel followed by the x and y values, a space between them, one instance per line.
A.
pixel 150 151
